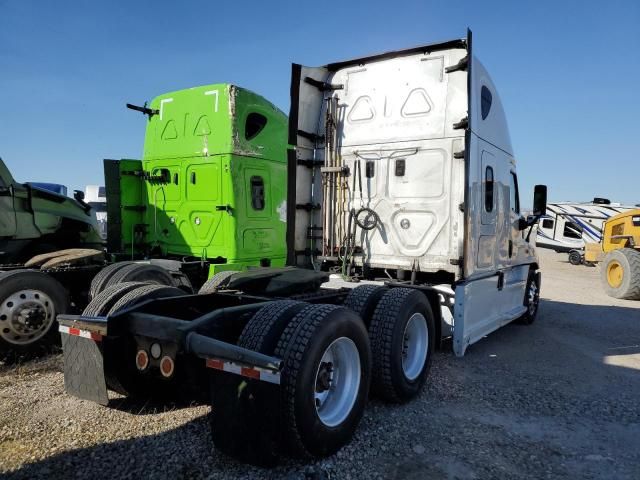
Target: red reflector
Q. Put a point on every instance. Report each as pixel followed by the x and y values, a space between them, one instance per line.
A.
pixel 250 372
pixel 74 331
pixel 217 364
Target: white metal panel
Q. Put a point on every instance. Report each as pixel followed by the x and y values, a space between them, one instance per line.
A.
pixel 481 308
pixel 308 181
pixel 398 110
pixel 398 99
pixel 494 128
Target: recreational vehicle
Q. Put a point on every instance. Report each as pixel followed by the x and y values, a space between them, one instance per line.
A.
pixel 568 226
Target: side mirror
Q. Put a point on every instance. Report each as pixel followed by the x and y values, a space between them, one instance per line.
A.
pixel 78 195
pixel 539 200
pixel 523 223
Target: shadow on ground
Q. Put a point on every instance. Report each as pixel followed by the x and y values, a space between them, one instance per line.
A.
pixel 10 358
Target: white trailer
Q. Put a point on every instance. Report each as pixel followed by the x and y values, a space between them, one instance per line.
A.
pixel 405 172
pixel 567 226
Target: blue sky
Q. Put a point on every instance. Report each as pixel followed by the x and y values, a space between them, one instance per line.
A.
pixel 568 74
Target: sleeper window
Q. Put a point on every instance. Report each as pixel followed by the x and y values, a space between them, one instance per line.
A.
pixel 514 198
pixel 257 193
pixel 488 189
pixel 485 101
pixel 254 125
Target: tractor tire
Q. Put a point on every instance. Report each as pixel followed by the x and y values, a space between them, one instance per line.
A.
pixel 100 305
pixel 141 272
pixel 531 298
pixel 262 332
pixel 142 293
pixel 321 345
pixel 217 282
pixel 575 257
pixel 29 304
pixel 244 421
pixel 364 299
pixel 99 282
pixel 402 334
pixel 620 273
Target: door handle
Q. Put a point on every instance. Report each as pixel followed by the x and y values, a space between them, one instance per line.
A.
pixel 224 208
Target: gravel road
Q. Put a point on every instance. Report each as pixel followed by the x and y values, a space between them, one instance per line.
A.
pixel 558 399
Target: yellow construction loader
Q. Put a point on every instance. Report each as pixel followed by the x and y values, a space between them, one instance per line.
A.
pixel 619 255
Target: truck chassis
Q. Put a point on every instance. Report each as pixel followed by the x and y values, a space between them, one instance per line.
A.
pixel 264 360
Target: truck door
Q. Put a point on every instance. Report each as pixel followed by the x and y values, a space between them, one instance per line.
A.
pixel 489 204
pixel 202 216
pixel 486 298
pixel 517 270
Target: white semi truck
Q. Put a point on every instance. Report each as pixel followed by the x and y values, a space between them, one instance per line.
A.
pixel 403 176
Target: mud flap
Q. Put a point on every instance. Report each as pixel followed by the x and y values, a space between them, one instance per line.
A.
pixel 84 369
pixel 245 418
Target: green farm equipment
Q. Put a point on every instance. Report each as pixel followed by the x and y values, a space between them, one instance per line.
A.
pixel 207 199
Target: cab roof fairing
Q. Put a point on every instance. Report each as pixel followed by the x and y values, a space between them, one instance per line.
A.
pixel 494 128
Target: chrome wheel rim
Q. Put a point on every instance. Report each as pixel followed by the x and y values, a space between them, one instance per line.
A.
pixel 415 346
pixel 26 316
pixel 337 381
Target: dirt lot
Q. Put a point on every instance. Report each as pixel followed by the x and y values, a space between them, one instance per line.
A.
pixel 558 399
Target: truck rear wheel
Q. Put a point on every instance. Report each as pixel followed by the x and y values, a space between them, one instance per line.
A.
pixel 244 421
pixel 141 272
pixel 620 273
pixel 100 305
pixel 325 379
pixel 144 292
pixel 29 303
pixel 99 282
pixel 402 333
pixel 218 281
pixel 363 300
pixel 262 332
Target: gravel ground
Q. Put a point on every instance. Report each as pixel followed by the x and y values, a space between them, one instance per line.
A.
pixel 558 399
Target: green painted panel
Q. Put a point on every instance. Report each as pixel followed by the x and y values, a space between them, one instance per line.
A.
pixel 203 149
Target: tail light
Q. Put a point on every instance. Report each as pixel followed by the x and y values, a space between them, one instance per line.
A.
pixel 167 366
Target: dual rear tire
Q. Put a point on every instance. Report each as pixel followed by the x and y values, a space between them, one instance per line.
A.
pixel 331 361
pixel 125 272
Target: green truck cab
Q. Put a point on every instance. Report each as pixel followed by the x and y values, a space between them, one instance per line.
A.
pixel 211 184
pixel 207 198
pixel 34 220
